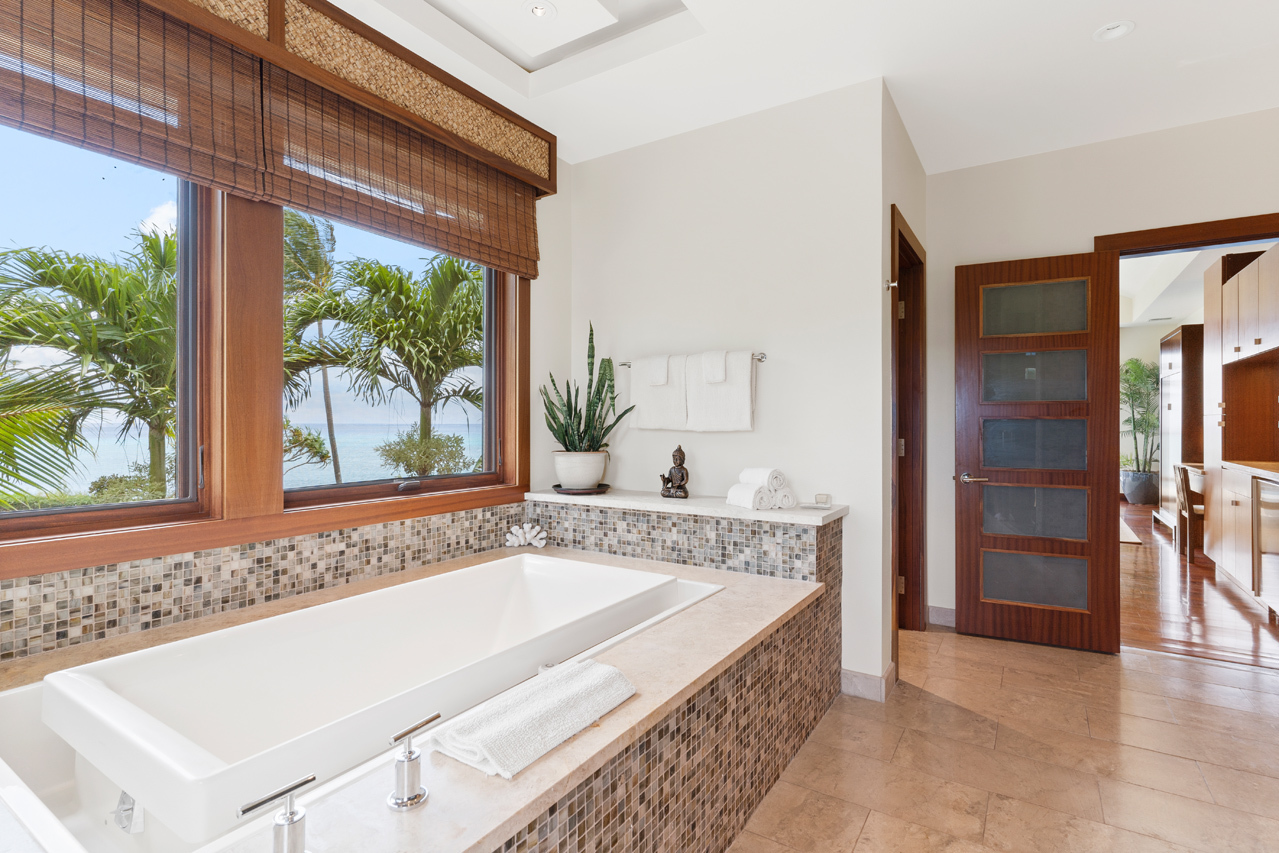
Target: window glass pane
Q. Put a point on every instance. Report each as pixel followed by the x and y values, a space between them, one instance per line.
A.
pixel 1037 443
pixel 1041 308
pixel 384 358
pixel 1018 377
pixel 1035 579
pixel 93 322
pixel 1035 511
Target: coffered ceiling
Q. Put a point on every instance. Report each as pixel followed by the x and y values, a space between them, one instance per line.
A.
pixel 975 82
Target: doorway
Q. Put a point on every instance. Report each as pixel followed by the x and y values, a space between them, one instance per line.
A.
pixel 1038 433
pixel 1198 586
pixel 908 273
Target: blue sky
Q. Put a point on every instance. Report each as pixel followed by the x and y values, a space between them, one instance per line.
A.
pixel 84 202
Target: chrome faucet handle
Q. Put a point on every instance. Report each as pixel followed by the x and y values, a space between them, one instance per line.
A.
pixel 289 833
pixel 409 792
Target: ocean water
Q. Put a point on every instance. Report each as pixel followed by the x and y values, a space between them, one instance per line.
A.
pixel 357 451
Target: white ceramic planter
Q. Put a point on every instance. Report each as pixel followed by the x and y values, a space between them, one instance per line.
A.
pixel 580 470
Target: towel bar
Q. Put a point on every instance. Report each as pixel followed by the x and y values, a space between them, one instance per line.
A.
pixel 758 356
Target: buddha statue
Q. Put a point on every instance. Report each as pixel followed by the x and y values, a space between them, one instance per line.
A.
pixel 675 483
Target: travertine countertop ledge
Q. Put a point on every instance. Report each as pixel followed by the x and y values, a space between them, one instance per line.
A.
pixel 466 810
pixel 713 507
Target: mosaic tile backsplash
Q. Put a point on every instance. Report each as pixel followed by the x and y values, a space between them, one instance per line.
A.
pixel 757 547
pixel 691 781
pixel 46 612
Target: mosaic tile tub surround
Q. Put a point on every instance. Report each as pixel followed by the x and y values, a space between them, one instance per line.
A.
pixel 52 611
pixel 691 781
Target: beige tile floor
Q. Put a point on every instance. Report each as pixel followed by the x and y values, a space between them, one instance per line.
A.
pixel 994 746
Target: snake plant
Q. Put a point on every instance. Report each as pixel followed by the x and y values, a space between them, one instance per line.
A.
pixel 581 424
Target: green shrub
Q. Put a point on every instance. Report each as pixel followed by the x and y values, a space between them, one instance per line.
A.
pixel 438 454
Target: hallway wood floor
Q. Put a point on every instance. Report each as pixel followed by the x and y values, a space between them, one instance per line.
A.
pixel 1169 606
pixel 988 745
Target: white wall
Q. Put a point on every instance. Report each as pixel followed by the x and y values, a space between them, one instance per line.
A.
pixel 1142 341
pixel 761 233
pixel 1054 204
pixel 552 302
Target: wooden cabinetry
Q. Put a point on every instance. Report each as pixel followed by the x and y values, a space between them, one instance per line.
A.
pixel 1181 414
pixel 1240 404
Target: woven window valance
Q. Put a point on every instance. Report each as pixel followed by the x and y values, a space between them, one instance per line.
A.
pixel 123 78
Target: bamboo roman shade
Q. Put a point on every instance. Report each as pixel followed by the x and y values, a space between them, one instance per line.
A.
pixel 123 78
pixel 331 156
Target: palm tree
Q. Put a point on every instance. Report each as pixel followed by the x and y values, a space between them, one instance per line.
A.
pixel 308 269
pixel 1139 395
pixel 116 320
pixel 40 417
pixel 396 331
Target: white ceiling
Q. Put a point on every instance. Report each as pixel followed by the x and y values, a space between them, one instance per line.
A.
pixel 975 81
pixel 1169 288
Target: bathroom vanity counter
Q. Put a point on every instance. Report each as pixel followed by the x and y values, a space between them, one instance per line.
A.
pixel 708 506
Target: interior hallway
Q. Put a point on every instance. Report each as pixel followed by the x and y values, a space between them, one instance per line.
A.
pixel 1167 606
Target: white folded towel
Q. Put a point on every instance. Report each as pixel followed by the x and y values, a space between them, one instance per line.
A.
pixel 513 729
pixel 659 406
pixel 654 368
pixel 785 498
pixel 769 478
pixel 748 496
pixel 713 365
pixel 727 406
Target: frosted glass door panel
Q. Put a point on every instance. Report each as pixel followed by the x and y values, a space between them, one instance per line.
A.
pixel 1035 579
pixel 1042 308
pixel 1035 443
pixel 1028 377
pixel 1035 511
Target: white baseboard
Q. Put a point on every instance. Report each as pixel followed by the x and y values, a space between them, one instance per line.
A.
pixel 875 688
pixel 944 616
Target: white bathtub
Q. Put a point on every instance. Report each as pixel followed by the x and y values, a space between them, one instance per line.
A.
pixel 196 728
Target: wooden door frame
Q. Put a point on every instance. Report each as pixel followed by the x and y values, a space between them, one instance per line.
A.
pixel 908 273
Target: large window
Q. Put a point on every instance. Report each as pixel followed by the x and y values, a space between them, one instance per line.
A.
pixel 385 367
pixel 97 333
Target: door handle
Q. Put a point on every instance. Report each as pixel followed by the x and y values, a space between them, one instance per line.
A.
pixel 964 478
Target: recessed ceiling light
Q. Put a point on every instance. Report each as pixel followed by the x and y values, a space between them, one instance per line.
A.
pixel 540 9
pixel 1112 31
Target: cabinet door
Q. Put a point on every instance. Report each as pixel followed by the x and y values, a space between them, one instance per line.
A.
pixel 1249 318
pixel 1169 445
pixel 1214 516
pixel 1268 299
pixel 1241 539
pixel 1230 346
pixel 1212 342
pixel 1170 354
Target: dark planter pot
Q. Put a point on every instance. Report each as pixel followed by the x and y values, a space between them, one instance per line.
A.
pixel 1140 487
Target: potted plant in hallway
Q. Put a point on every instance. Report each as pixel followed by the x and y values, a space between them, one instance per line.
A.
pixel 581 424
pixel 1139 403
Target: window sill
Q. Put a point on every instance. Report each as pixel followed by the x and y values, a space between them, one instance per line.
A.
pixel 41 555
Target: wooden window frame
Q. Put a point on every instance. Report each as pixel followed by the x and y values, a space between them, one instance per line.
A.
pixel 241 295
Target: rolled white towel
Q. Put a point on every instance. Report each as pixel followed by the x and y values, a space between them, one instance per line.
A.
pixel 770 478
pixel 785 498
pixel 513 729
pixel 748 496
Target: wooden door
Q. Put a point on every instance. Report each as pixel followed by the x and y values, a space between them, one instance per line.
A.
pixel 1037 450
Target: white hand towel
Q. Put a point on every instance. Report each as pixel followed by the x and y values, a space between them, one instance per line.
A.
pixel 513 729
pixel 660 406
pixel 727 406
pixel 769 478
pixel 713 366
pixel 785 498
pixel 748 496
pixel 654 368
